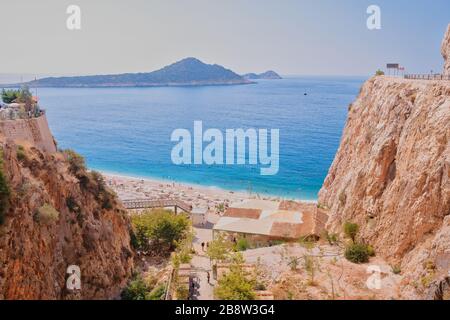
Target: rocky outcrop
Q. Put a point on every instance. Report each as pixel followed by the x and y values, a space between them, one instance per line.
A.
pixel 445 50
pixel 391 173
pixel 34 131
pixel 60 215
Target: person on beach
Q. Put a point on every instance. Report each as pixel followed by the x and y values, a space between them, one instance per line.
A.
pixel 203 246
pixel 208 277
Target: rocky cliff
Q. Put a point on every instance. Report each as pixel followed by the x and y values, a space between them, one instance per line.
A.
pixel 56 214
pixel 391 173
pixel 445 50
pixel 34 131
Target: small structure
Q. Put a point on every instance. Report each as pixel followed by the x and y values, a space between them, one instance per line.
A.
pixel 135 204
pixel 198 216
pixel 393 66
pixel 261 221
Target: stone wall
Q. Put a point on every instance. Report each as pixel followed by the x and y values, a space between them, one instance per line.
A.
pixel 29 131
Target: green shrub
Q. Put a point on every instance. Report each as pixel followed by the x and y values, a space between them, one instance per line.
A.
pixel 157 293
pixel 137 289
pixel 21 155
pixel 219 249
pixel 235 285
pixel 379 73
pixel 396 269
pixel 242 244
pixel 260 286
pixel 371 251
pixel 332 238
pixel 104 195
pixel 182 292
pixel 46 214
pixel 160 228
pixel 8 96
pixel 351 230
pixel 5 191
pixel 77 164
pixel 357 253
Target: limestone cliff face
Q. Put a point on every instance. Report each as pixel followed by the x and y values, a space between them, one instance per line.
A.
pixel 91 230
pixel 446 51
pixel 391 173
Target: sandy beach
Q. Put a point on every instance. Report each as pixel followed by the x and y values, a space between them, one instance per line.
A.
pixel 195 195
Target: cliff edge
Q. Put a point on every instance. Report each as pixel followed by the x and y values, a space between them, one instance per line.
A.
pixel 54 214
pixel 391 174
pixel 445 50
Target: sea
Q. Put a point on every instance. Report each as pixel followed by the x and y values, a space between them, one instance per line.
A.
pixel 127 131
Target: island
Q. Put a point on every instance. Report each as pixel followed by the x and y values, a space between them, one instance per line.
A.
pixel 268 75
pixel 187 72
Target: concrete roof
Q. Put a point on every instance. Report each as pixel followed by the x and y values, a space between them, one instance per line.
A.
pixel 256 204
pixel 271 218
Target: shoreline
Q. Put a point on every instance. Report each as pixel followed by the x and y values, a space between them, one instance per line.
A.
pixel 133 187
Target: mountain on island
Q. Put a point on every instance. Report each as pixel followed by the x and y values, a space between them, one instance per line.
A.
pixel 269 75
pixel 187 72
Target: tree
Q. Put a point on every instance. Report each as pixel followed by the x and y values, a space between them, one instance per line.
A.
pixel 236 284
pixel 351 230
pixel 219 249
pixel 160 228
pixel 242 244
pixel 8 96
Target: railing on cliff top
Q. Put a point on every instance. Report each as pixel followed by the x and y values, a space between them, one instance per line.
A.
pixel 427 77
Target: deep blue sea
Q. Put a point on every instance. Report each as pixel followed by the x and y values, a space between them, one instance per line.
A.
pixel 127 130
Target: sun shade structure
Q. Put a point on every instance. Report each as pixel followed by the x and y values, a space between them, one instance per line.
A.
pixel 273 219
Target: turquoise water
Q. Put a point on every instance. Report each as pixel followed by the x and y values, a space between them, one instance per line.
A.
pixel 127 130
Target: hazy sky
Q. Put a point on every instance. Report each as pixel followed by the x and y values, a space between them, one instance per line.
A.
pixel 289 36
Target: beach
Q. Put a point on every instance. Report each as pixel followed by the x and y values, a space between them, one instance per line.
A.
pixel 128 188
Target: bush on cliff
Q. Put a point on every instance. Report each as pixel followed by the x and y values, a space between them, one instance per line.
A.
pixel 4 191
pixel 105 196
pixel 77 165
pixel 357 253
pixel 46 214
pixel 21 154
pixel 351 230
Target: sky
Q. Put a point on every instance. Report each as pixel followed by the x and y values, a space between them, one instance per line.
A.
pixel 292 37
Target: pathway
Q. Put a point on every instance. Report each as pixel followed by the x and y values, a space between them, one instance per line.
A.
pixel 201 265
